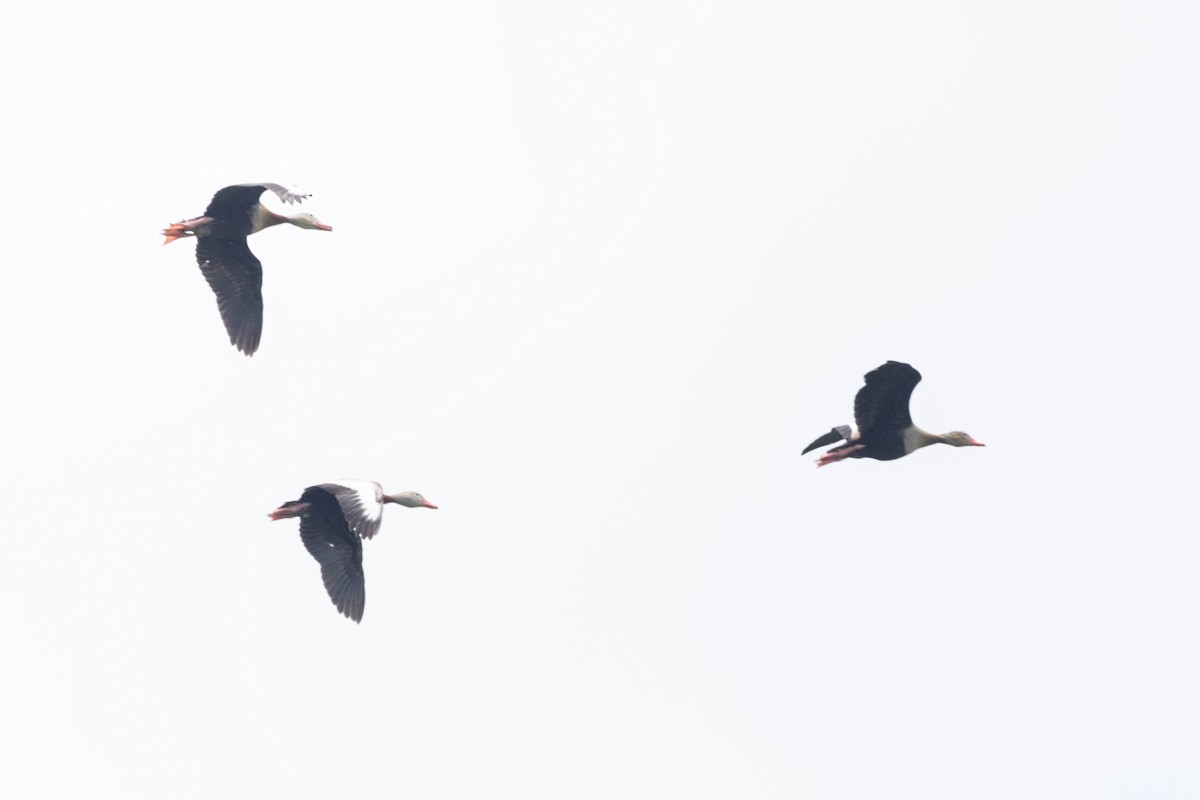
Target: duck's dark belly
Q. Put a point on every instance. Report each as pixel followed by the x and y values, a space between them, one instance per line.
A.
pixel 226 228
pixel 882 448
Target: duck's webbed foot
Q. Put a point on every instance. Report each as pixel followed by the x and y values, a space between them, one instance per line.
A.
pixel 294 508
pixel 181 230
pixel 839 454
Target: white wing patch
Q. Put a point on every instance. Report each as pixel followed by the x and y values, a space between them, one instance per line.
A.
pixel 288 193
pixel 362 504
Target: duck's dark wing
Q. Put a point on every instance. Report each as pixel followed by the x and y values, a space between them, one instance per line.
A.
pixel 361 502
pixel 882 404
pixel 833 437
pixel 339 551
pixel 227 203
pixel 235 275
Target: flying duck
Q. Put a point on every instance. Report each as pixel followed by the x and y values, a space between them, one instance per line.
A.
pixel 884 429
pixel 334 518
pixel 233 272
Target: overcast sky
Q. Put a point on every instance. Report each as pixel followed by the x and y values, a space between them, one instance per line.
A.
pixel 598 273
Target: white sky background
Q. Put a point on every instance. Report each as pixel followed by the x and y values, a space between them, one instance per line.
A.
pixel 599 272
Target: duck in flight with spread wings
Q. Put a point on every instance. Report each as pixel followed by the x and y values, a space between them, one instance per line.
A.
pixel 884 429
pixel 233 272
pixel 334 518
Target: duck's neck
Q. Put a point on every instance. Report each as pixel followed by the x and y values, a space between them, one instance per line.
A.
pixel 915 438
pixel 265 218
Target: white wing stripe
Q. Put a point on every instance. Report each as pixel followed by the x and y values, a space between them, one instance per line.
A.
pixel 361 503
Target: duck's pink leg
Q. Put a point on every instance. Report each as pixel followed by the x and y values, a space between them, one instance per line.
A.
pixel 181 230
pixel 838 455
pixel 292 509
